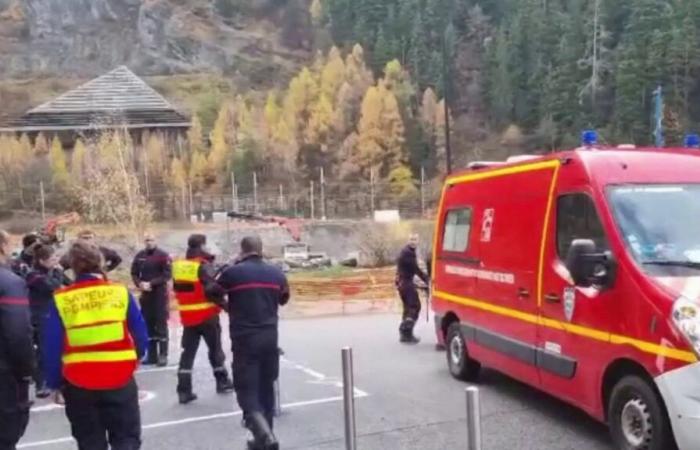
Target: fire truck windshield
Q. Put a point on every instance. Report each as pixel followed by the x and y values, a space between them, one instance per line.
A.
pixel 660 225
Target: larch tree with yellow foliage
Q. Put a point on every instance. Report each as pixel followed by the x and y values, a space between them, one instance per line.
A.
pixel 381 133
pixel 223 141
pixel 59 168
pixel 78 160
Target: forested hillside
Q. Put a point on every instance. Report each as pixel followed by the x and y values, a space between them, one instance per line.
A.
pixel 552 67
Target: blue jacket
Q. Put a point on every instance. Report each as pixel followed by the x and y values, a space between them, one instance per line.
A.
pixel 54 336
pixel 16 350
pixel 255 292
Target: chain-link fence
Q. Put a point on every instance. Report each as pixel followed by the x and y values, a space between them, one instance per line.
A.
pixel 330 200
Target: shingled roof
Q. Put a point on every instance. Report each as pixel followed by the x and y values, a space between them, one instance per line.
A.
pixel 116 99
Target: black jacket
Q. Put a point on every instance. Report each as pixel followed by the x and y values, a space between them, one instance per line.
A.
pixel 22 265
pixel 112 259
pixel 407 267
pixel 255 291
pixel 42 283
pixel 152 266
pixel 16 350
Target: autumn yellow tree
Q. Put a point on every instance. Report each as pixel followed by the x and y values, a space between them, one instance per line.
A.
pixel 298 103
pixel 223 140
pixel 78 159
pixel 198 171
pixel 41 145
pixel 402 183
pixel 178 181
pixel 380 133
pixel 333 73
pixel 59 168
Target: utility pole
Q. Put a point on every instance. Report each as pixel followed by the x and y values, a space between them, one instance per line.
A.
pixel 323 196
pixel 233 192
pixel 659 117
pixel 446 88
pixel 43 201
pixel 422 191
pixel 371 190
pixel 255 192
pixel 311 199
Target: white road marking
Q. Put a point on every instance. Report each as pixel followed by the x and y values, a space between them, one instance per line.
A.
pixel 320 378
pixel 144 396
pixel 157 369
pixel 172 423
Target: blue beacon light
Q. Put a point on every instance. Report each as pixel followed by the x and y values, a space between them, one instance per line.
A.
pixel 692 141
pixel 589 138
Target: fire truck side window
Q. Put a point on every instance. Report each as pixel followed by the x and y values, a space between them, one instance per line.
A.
pixel 457 226
pixel 577 218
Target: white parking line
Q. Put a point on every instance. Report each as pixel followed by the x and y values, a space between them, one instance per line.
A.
pixel 173 423
pixel 144 396
pixel 320 378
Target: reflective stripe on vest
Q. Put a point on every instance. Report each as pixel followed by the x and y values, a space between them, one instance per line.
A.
pixel 122 355
pixel 95 335
pixel 196 306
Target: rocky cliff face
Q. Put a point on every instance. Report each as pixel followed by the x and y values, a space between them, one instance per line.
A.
pixel 152 37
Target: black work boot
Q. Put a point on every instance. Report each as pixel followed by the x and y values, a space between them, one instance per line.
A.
pixel 162 353
pixel 224 385
pixel 263 438
pixel 152 354
pixel 184 388
pixel 407 337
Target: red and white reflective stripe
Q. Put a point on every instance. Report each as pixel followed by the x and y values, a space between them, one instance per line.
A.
pixel 14 301
pixel 247 286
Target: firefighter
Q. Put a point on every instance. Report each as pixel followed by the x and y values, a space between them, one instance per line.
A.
pixel 22 265
pixel 255 292
pixel 93 338
pixel 151 272
pixel 16 352
pixel 42 281
pixel 112 260
pixel 200 300
pixel 406 270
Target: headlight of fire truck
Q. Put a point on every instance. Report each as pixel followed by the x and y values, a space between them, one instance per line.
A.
pixel 686 316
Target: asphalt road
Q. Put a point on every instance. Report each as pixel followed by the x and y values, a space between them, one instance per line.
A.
pixel 406 399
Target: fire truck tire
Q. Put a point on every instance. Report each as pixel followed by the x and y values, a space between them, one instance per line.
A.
pixel 637 417
pixel 460 364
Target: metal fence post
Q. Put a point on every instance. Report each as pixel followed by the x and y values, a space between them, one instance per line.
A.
pixel 473 419
pixel 349 400
pixel 278 403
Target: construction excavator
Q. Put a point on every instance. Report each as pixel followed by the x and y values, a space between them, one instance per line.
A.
pixel 53 231
pixel 293 226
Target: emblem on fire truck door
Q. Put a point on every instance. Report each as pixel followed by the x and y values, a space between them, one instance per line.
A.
pixel 487 224
pixel 569 303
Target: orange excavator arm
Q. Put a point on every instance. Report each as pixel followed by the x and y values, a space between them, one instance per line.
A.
pixel 293 226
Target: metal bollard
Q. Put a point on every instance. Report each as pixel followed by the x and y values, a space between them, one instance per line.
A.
pixel 349 400
pixel 278 403
pixel 473 419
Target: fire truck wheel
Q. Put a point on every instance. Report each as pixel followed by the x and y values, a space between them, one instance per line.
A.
pixel 637 417
pixel 461 365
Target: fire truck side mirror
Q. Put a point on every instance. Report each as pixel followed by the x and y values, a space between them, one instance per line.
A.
pixel 589 267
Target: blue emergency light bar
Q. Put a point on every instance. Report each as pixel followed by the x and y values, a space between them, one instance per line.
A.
pixel 589 138
pixel 691 141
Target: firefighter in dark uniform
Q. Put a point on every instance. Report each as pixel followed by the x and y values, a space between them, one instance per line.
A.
pixel 93 338
pixel 406 270
pixel 16 352
pixel 22 265
pixel 200 300
pixel 111 259
pixel 255 292
pixel 151 272
pixel 42 281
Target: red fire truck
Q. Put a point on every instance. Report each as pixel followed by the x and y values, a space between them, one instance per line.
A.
pixel 579 273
